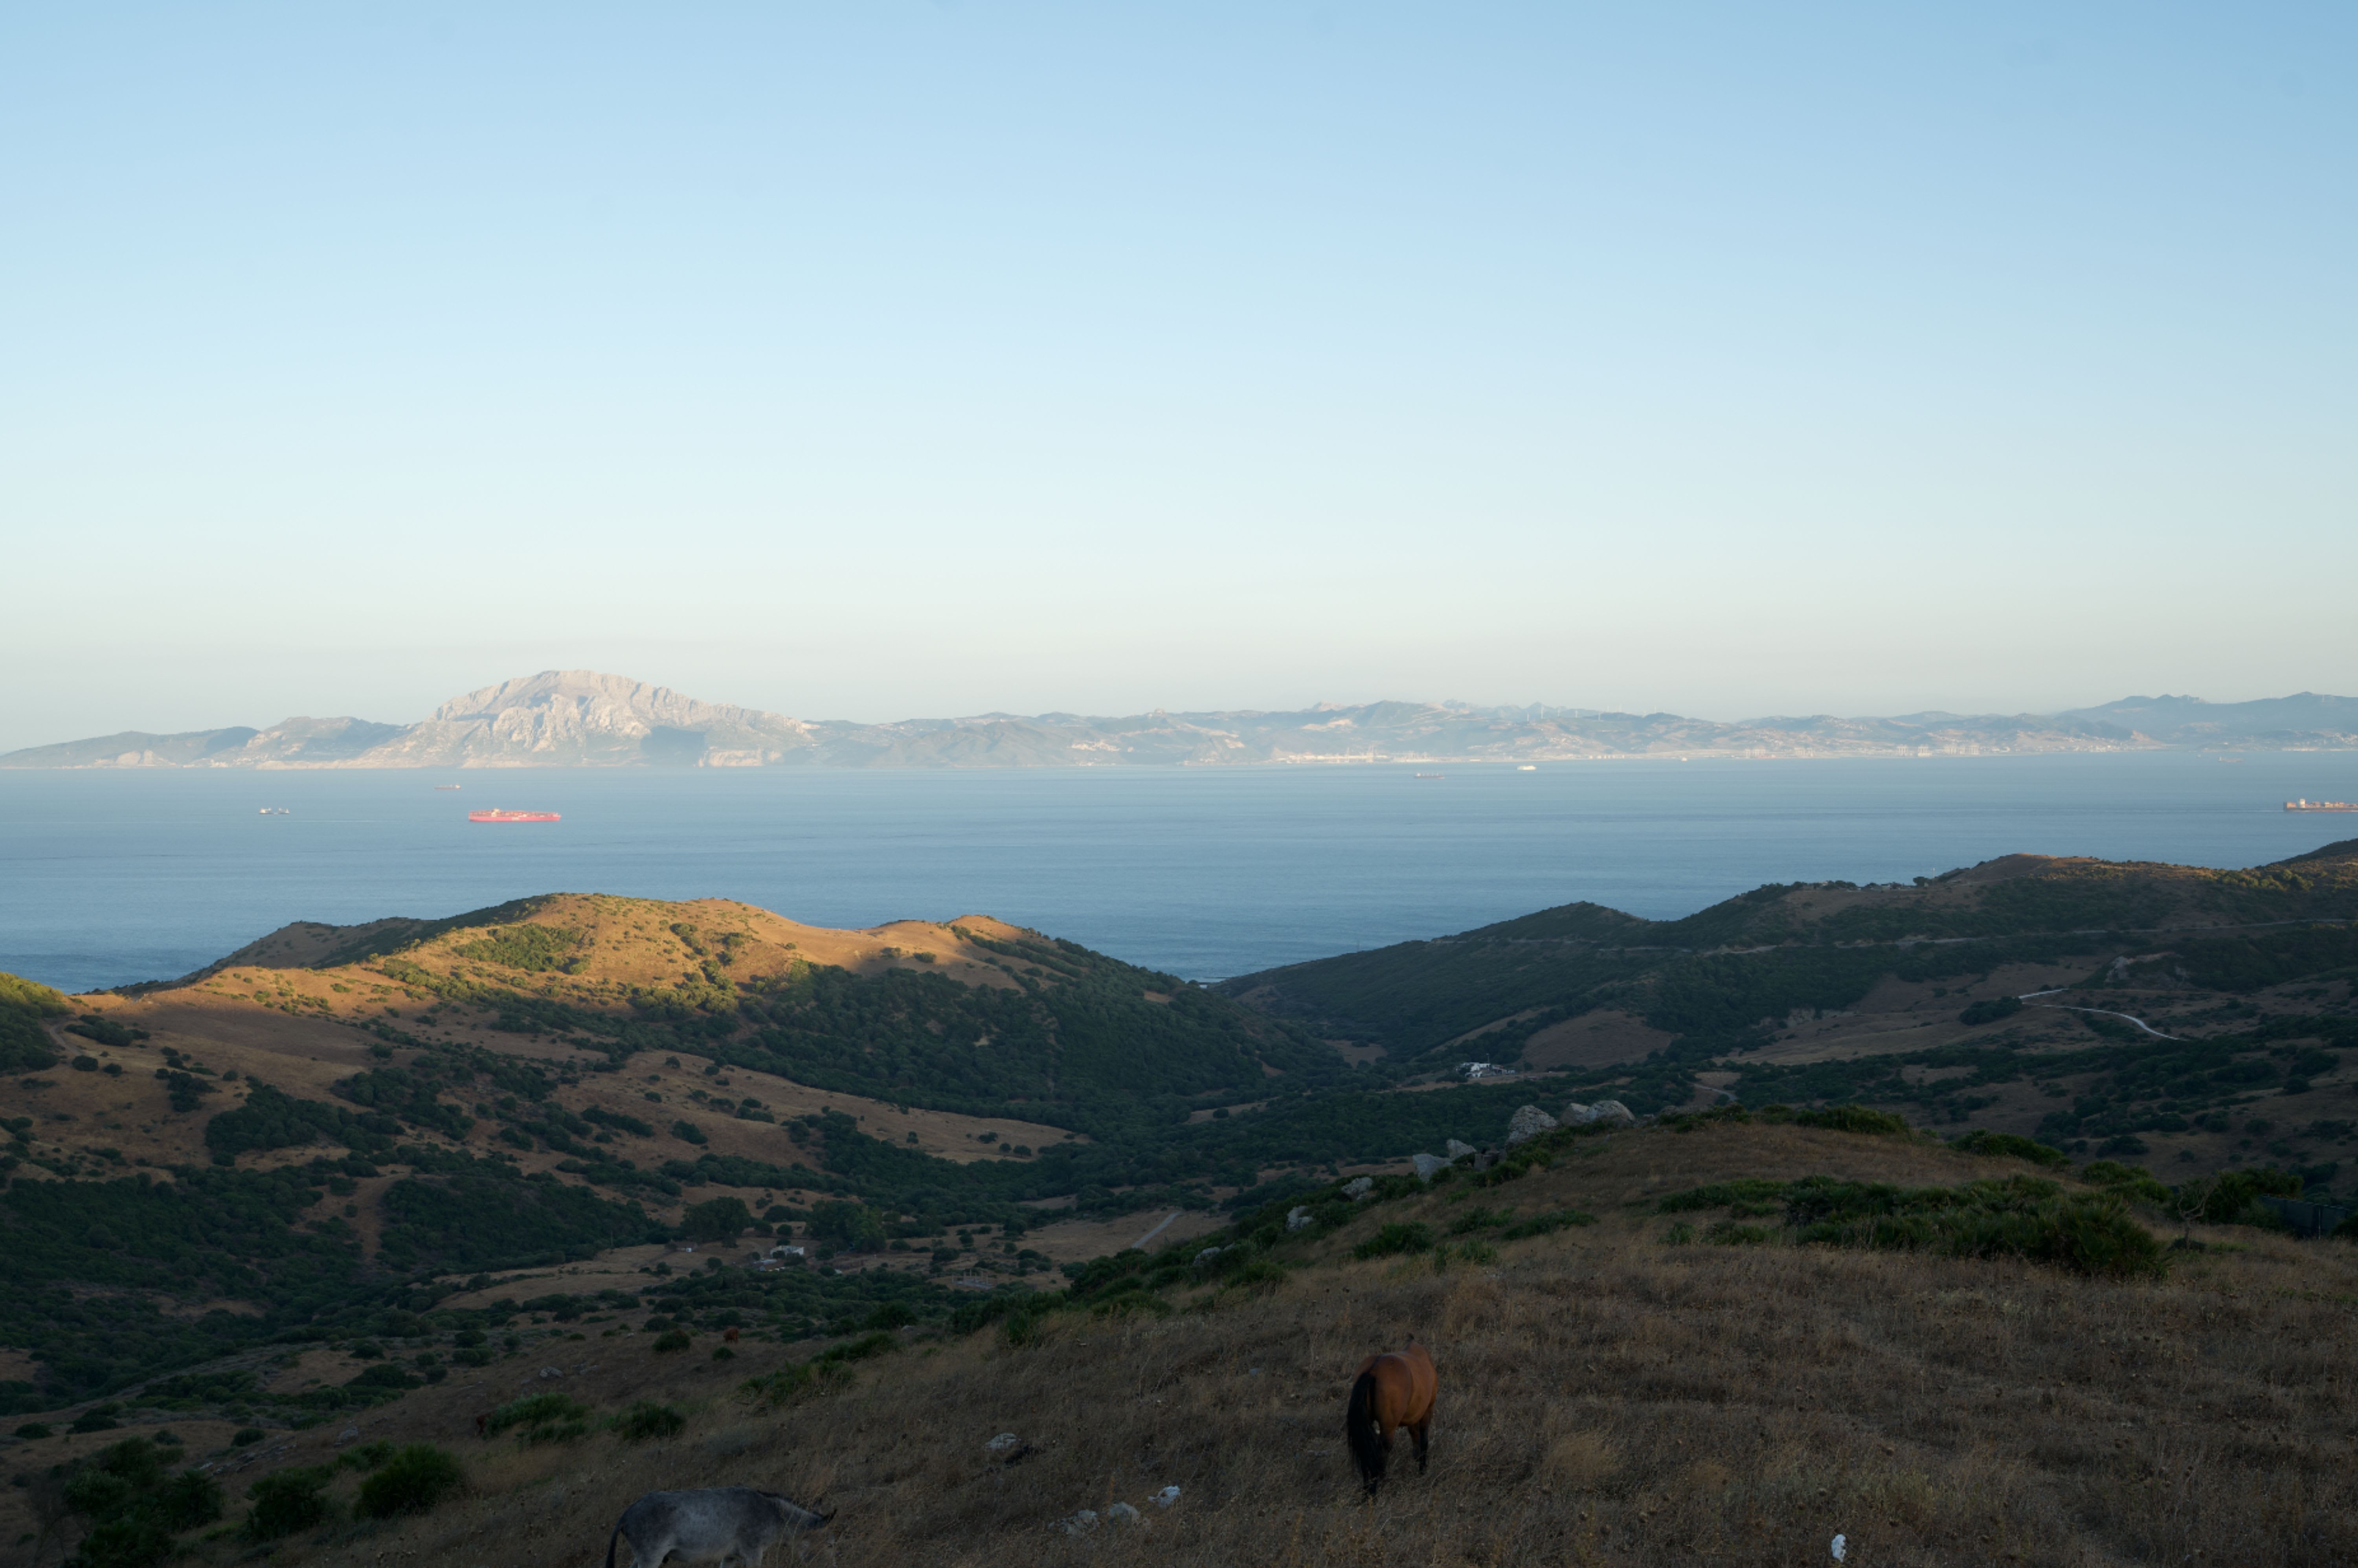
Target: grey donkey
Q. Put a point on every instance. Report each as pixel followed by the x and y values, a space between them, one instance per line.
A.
pixel 710 1526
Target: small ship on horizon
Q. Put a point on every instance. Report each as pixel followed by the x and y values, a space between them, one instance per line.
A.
pixel 2321 805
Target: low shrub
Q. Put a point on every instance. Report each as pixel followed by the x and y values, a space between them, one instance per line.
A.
pixel 1990 1009
pixel 671 1339
pixel 879 1343
pixel 1854 1119
pixel 1728 1233
pixel 2010 1145
pixel 1132 1298
pixel 246 1436
pixel 541 1418
pixel 2132 1181
pixel 646 1421
pixel 2025 1216
pixel 1478 1218
pixel 132 1508
pixel 2232 1197
pixel 1546 1224
pixel 1261 1276
pixel 1746 1191
pixel 288 1500
pixel 791 1384
pixel 1395 1237
pixel 413 1481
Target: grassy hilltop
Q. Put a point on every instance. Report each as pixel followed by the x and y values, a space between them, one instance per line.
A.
pixel 1725 1341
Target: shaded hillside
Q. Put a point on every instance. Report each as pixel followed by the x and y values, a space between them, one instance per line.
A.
pixel 1755 958
pixel 1651 1349
pixel 334 1119
pixel 2204 1015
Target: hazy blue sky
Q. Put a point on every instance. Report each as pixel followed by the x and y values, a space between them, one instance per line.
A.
pixel 880 359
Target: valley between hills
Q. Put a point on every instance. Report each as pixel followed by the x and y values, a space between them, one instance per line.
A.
pixel 1947 1214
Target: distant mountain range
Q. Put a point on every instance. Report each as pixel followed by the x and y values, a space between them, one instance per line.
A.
pixel 582 719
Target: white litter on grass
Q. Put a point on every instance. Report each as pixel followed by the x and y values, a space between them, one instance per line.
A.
pixel 1122 1513
pixel 1842 1544
pixel 1166 1497
pixel 1080 1523
pixel 1003 1443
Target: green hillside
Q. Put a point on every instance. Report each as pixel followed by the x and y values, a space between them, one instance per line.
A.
pixel 1723 976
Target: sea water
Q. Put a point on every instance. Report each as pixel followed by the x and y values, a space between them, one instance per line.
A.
pixel 110 877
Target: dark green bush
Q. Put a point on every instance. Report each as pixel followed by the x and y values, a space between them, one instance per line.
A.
pixel 289 1501
pixel 1546 1224
pixel 879 1343
pixel 1981 1140
pixel 2232 1197
pixel 133 1507
pixel 890 1314
pixel 851 1227
pixel 2132 1181
pixel 1259 1276
pixel 246 1437
pixel 1132 1298
pixel 412 1482
pixel 35 1429
pixel 1854 1118
pixel 1397 1237
pixel 541 1418
pixel 717 1219
pixel 670 1340
pixel 646 1421
pixel 2024 1216
pixel 1743 1190
pixel 790 1384
pixel 1728 1233
pixel 1991 1009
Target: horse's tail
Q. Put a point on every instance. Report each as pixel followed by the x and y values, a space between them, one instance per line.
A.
pixel 609 1543
pixel 1361 1427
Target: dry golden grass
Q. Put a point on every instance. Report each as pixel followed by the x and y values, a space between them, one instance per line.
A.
pixel 1605 1397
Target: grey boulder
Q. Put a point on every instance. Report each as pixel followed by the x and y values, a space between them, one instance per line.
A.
pixel 1605 1113
pixel 1528 1122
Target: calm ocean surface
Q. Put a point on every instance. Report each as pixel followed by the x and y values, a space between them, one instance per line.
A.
pixel 111 877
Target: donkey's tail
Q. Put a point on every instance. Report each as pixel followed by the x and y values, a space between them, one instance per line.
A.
pixel 1360 1426
pixel 609 1543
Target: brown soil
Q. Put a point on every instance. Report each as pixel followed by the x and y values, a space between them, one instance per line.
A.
pixel 1598 1039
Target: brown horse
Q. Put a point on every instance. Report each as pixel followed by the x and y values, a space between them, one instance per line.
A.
pixel 1393 1390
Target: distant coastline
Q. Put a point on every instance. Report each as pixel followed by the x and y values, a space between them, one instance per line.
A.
pixel 583 719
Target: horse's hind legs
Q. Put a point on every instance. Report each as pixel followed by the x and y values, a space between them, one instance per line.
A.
pixel 1417 1432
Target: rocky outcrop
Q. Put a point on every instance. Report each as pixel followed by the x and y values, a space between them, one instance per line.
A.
pixel 1606 1112
pixel 1527 1123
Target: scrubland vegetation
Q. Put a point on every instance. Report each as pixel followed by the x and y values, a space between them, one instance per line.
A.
pixel 1624 1388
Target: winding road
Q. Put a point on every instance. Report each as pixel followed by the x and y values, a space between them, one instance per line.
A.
pixel 2065 1007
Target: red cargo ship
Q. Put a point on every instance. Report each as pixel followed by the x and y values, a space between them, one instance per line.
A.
pixel 495 814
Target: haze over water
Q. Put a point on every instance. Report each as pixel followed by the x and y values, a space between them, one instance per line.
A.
pixel 106 878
